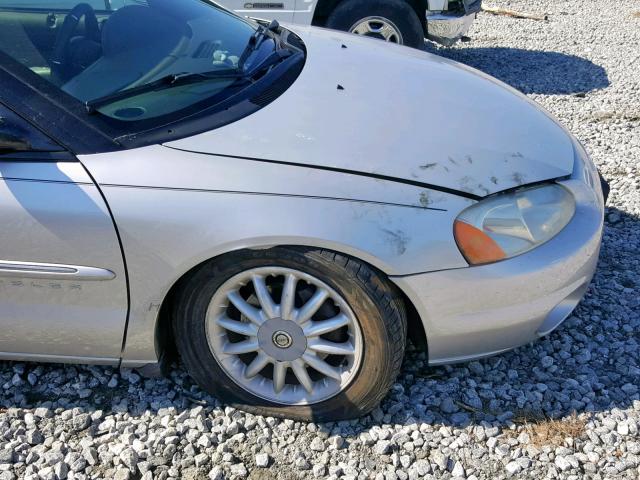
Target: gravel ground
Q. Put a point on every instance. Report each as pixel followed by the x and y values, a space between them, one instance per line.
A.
pixel 567 406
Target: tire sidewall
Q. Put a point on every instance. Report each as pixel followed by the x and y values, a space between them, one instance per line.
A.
pixel 350 12
pixel 359 397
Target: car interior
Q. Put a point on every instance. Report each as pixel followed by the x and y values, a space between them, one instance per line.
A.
pixel 97 47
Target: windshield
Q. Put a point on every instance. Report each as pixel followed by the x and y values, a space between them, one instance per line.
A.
pixel 93 50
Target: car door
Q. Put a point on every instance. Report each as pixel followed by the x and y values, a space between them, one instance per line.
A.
pixel 281 10
pixel 63 288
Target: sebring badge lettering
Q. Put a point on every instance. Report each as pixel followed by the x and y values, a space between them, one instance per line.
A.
pixel 39 285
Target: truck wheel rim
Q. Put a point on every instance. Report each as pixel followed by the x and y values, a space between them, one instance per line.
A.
pixel 378 27
pixel 284 335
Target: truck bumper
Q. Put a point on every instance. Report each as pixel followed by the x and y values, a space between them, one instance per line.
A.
pixel 447 28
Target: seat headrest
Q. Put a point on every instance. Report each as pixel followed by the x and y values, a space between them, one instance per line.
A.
pixel 138 26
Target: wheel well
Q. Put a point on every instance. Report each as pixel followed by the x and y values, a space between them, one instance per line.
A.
pixel 323 10
pixel 415 327
pixel 420 7
pixel 325 7
pixel 165 335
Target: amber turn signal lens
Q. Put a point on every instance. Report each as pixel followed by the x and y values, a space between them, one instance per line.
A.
pixel 476 246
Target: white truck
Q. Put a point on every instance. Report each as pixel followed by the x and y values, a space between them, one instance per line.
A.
pixel 405 22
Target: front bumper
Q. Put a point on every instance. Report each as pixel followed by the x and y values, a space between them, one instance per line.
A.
pixel 447 28
pixel 480 311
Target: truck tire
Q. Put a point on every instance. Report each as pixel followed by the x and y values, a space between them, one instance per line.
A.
pixel 394 21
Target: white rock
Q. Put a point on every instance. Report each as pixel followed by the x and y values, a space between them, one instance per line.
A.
pixel 458 470
pixel 319 471
pixel 216 473
pixel 262 460
pixel 382 447
pixel 562 463
pixel 513 468
pixel 317 445
pixel 239 470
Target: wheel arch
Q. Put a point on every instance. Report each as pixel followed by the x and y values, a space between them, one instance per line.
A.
pixel 164 335
pixel 325 7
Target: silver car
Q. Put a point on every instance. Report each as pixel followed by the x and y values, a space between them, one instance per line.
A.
pixel 263 199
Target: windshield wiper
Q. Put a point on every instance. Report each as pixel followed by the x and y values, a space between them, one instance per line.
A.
pixel 237 74
pixel 255 41
pixel 168 81
pixel 186 78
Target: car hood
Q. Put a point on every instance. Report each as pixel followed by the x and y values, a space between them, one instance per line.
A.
pixel 365 106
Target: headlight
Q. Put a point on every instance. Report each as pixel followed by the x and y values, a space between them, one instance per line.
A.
pixel 509 224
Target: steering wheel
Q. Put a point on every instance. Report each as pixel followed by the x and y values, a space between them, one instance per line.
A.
pixel 60 60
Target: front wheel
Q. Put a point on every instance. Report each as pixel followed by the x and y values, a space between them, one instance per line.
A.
pixel 393 21
pixel 291 332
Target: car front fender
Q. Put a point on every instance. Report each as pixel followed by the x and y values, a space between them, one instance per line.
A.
pixel 175 210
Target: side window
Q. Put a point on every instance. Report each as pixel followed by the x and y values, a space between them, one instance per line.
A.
pixel 50 4
pixel 18 135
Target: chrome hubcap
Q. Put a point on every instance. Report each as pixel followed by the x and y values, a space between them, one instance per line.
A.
pixel 284 335
pixel 378 27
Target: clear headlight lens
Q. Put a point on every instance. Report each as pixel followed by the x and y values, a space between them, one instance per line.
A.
pixel 509 224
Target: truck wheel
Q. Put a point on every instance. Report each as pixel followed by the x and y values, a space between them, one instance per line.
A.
pixel 390 20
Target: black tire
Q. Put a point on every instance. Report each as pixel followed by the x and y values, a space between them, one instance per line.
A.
pixel 350 12
pixel 374 300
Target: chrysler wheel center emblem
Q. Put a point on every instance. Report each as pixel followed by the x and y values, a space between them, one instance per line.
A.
pixel 282 339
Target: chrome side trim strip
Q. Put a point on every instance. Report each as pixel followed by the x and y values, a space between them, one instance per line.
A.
pixel 11 268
